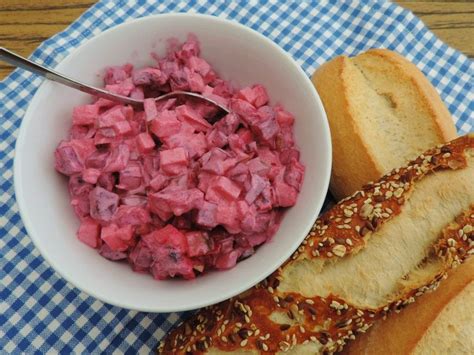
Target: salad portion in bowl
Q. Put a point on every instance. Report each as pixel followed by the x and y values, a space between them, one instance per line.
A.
pixel 177 188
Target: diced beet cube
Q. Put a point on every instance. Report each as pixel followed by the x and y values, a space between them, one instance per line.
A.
pixel 66 160
pixel 89 232
pixel 117 74
pixel 147 76
pixel 246 94
pixel 266 113
pixel 245 135
pixel 150 109
pixel 173 161
pixel 124 88
pixel 258 184
pixel 294 174
pixel 81 132
pixel 176 200
pixel 206 215
pixel 145 143
pixel 131 177
pixel 285 194
pixel 186 114
pixel 265 201
pixel 260 95
pixel 195 81
pixel 91 175
pixel 168 263
pixel 257 166
pixel 284 118
pixel 117 238
pixel 216 138
pixel 103 204
pixel 165 125
pixel 122 128
pixel 226 188
pixel 227 261
pixel 118 159
pixel 243 108
pixel 131 215
pixel 199 65
pixel 106 181
pixel 111 254
pixel 159 181
pixel 239 169
pixel 228 124
pixel 256 239
pixel 289 155
pixel 267 129
pixel 85 114
pixel 227 215
pixel 197 243
pixel 140 257
pixel 111 116
pixel 71 155
pixel 169 236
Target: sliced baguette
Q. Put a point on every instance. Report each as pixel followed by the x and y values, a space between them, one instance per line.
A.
pixel 382 112
pixel 441 322
pixel 372 253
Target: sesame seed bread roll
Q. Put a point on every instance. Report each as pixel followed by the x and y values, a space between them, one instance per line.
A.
pixel 382 112
pixel 441 322
pixel 372 253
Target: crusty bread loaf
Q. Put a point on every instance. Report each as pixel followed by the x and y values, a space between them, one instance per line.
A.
pixel 372 253
pixel 382 112
pixel 441 322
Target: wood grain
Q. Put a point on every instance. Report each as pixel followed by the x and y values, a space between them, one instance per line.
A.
pixel 24 24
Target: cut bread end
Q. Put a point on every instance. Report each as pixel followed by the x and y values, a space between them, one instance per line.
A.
pixel 386 108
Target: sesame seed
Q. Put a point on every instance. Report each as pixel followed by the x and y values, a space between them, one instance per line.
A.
pixel 357 228
pixel 340 226
pixel 348 241
pixel 398 192
pixel 446 155
pixel 264 347
pixel 467 229
pixel 309 301
pixel 339 250
pixel 329 254
pixel 244 342
pixel 270 289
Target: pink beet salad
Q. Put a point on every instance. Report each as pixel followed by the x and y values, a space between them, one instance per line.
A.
pixel 178 188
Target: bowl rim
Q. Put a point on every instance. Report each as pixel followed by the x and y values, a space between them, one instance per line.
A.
pixel 19 196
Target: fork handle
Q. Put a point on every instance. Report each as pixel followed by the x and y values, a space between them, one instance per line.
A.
pixel 19 61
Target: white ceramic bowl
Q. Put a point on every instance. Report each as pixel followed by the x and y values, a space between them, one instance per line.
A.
pixel 238 53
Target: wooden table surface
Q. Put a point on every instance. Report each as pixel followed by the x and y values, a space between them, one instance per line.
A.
pixel 24 24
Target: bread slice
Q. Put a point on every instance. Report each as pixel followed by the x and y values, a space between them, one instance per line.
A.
pixel 441 322
pixel 372 253
pixel 382 112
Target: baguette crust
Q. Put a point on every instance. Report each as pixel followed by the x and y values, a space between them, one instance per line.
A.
pixel 350 89
pixel 270 318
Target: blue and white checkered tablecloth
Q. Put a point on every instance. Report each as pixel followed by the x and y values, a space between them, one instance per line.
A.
pixel 39 311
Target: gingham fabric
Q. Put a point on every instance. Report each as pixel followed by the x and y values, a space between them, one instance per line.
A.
pixel 39 311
